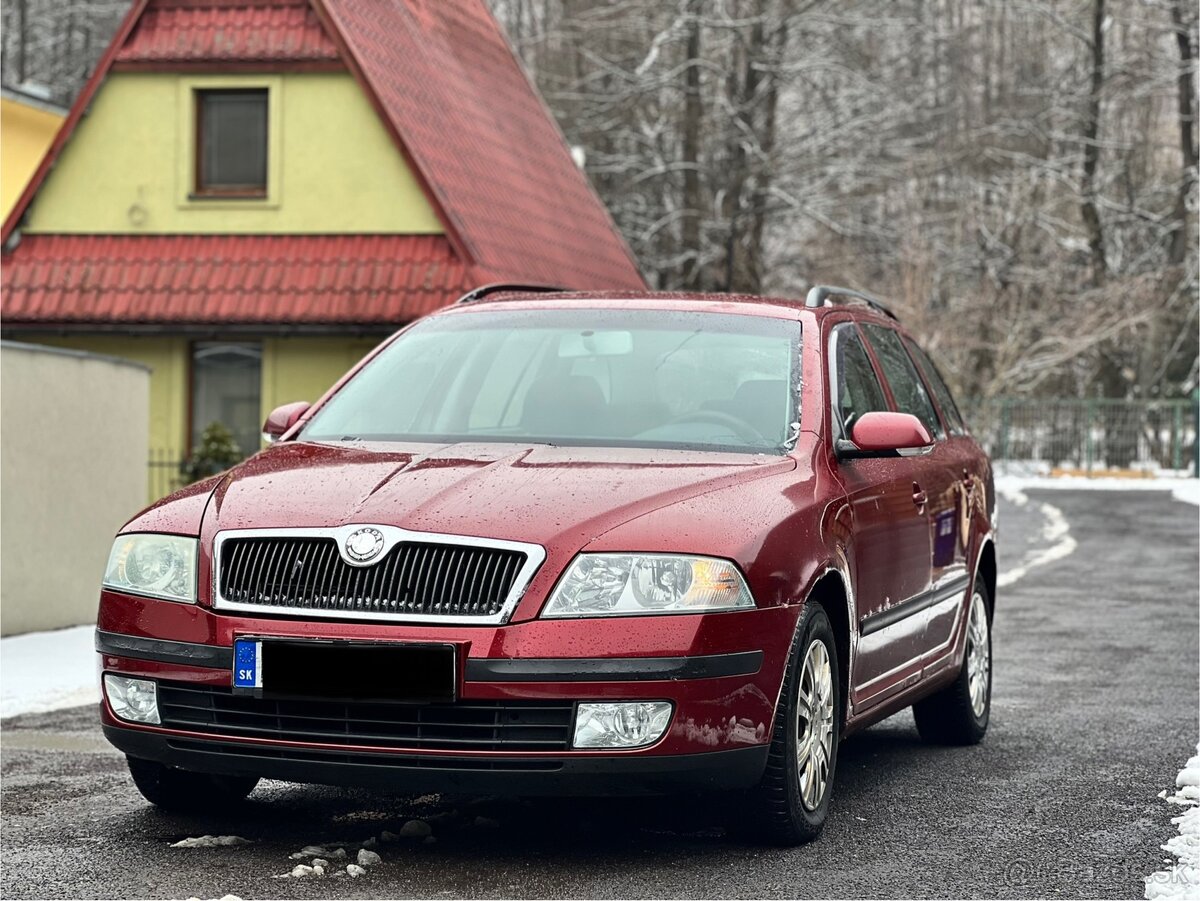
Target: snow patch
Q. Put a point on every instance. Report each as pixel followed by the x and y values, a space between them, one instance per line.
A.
pixel 43 671
pixel 1188 492
pixel 1056 532
pixel 1010 489
pixel 1182 879
pixel 1183 488
pixel 212 841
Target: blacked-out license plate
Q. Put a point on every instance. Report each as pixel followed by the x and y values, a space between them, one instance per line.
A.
pixel 351 670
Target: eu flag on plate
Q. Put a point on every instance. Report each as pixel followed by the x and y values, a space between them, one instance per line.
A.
pixel 247 663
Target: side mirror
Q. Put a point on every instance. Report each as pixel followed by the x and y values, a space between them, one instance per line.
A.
pixel 282 419
pixel 885 435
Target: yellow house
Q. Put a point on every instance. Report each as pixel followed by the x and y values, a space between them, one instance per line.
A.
pixel 28 123
pixel 259 192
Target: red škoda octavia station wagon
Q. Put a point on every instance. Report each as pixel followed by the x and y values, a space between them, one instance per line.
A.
pixel 555 543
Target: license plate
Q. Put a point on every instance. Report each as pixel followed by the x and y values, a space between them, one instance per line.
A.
pixel 365 671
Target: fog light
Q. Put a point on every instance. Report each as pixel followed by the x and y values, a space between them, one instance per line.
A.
pixel 135 700
pixel 626 724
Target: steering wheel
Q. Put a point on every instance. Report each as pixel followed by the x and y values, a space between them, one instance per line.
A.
pixel 737 425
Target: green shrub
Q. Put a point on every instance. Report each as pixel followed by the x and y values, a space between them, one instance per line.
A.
pixel 216 452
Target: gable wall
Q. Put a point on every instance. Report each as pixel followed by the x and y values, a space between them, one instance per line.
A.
pixel 128 167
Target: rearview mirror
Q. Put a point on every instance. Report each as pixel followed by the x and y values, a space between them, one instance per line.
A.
pixel 282 419
pixel 592 343
pixel 885 435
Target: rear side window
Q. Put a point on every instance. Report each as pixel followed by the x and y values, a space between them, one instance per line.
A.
pixel 935 381
pixel 901 374
pixel 856 389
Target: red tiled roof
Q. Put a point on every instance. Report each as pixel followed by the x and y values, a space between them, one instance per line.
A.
pixel 246 279
pixel 223 31
pixel 447 82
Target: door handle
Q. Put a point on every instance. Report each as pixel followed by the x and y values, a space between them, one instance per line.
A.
pixel 920 498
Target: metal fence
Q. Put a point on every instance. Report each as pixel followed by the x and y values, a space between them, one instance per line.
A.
pixel 1089 436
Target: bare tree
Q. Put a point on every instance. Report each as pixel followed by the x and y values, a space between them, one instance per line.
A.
pixel 56 43
pixel 1019 176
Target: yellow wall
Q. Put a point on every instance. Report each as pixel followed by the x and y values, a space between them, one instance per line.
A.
pixel 304 368
pixel 25 133
pixel 332 166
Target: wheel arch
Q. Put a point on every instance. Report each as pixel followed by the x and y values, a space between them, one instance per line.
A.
pixel 985 568
pixel 832 594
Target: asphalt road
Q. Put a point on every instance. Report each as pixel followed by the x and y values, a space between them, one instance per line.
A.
pixel 1095 710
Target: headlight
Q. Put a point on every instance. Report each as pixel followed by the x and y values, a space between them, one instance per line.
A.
pixel 161 566
pixel 629 584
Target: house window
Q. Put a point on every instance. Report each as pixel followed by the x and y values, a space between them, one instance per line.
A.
pixel 226 389
pixel 231 143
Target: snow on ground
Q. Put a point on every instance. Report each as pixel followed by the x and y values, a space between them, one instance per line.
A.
pixel 1056 532
pixel 1182 879
pixel 1187 491
pixel 1184 489
pixel 211 841
pixel 48 671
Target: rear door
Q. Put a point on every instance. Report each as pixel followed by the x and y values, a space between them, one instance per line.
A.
pixel 890 548
pixel 960 453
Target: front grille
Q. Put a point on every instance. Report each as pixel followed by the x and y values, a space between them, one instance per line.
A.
pixel 462 726
pixel 413 578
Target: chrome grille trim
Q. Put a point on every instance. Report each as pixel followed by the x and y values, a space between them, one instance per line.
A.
pixel 366 578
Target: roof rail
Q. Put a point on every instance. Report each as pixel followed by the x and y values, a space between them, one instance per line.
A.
pixel 819 294
pixel 499 287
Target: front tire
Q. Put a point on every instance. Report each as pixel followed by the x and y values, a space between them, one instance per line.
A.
pixel 790 804
pixel 185 792
pixel 959 713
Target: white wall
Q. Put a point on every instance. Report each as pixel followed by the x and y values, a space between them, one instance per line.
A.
pixel 74 428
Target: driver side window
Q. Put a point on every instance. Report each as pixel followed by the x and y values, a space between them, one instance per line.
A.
pixel 856 388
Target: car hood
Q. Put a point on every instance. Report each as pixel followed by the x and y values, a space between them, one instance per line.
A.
pixel 534 493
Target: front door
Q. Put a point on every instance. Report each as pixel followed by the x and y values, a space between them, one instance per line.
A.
pixel 939 480
pixel 891 541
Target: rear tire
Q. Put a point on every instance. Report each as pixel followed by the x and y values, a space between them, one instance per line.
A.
pixel 185 792
pixel 789 806
pixel 959 713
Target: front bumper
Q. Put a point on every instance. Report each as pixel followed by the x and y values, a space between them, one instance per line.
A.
pixel 722 673
pixel 627 774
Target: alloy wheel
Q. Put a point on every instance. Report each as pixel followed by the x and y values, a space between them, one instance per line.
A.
pixel 979 655
pixel 814 724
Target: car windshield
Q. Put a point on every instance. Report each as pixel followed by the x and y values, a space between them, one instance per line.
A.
pixel 619 378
